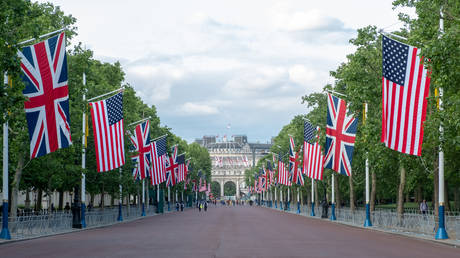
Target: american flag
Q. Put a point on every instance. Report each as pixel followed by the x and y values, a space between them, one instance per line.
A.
pixel 313 161
pixel 181 168
pixel 202 187
pixel 283 174
pixel 44 73
pixel 271 172
pixel 107 116
pixel 308 131
pixel 158 168
pixel 141 144
pixel 405 87
pixel 340 136
pixel 171 168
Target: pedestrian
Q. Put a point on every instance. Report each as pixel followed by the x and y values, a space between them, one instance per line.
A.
pixel 200 206
pixel 67 207
pixel 177 206
pixel 205 206
pixel 423 207
pixel 182 206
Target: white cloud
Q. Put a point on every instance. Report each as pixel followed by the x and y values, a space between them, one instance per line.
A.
pixel 285 17
pixel 190 108
pixel 301 74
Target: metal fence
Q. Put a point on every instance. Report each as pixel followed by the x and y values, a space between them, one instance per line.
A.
pixel 411 223
pixel 32 225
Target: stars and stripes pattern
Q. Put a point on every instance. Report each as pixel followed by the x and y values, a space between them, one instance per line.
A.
pixel 313 161
pixel 44 73
pixel 141 144
pixel 107 120
pixel 340 136
pixel 158 167
pixel 308 131
pixel 283 174
pixel 171 167
pixel 181 168
pixel 405 88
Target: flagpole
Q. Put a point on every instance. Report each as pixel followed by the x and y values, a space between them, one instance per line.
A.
pixel 83 160
pixel 158 138
pixel 441 232
pixel 281 198
pixel 143 198
pixel 169 199
pixel 289 198
pixel 42 36
pixel 333 198
pixel 367 222
pixel 312 198
pixel 140 121
pixel 5 234
pixel 105 94
pixel 298 201
pixel 120 200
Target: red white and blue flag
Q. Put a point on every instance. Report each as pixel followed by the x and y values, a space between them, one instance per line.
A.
pixel 171 167
pixel 44 73
pixel 158 167
pixel 405 87
pixel 313 163
pixel 283 174
pixel 298 176
pixel 181 168
pixel 292 158
pixel 141 144
pixel 340 136
pixel 107 116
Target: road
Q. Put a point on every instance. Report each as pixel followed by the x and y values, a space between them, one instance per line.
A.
pixel 227 232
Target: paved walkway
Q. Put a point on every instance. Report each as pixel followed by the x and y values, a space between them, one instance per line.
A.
pixel 227 232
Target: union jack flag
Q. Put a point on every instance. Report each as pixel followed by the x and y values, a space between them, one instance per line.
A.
pixel 298 177
pixel 340 136
pixel 171 167
pixel 292 159
pixel 141 144
pixel 44 73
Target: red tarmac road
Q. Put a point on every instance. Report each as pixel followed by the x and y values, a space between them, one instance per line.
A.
pixel 227 232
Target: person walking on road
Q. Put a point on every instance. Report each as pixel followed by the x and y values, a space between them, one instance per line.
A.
pixel 205 206
pixel 200 206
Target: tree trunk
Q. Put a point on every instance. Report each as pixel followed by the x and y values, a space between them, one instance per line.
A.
pixel 61 200
pixel 27 202
pixel 102 197
pixel 446 196
pixel 402 182
pixel 91 196
pixel 309 197
pixel 407 198
pixel 352 193
pixel 373 190
pixel 337 196
pixel 418 195
pixel 15 185
pixel 457 198
pixel 38 205
pixel 316 194
pixel 112 200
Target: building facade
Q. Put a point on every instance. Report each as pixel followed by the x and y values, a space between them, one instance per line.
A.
pixel 230 158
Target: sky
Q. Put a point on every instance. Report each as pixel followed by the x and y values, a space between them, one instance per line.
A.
pixel 215 67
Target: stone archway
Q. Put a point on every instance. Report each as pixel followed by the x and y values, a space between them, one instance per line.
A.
pixel 230 188
pixel 215 189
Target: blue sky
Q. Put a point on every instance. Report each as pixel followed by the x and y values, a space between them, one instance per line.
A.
pixel 206 64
